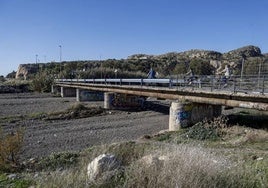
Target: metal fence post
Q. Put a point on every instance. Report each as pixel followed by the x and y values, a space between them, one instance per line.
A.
pixel 234 85
pixel 177 82
pixel 170 83
pixel 212 83
pixel 263 84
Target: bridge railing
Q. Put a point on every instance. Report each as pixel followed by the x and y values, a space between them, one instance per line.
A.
pixel 234 84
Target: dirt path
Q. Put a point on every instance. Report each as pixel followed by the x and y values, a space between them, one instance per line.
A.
pixel 44 137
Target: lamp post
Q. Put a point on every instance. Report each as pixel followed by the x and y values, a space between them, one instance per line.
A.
pixel 36 56
pixel 60 52
pixel 60 59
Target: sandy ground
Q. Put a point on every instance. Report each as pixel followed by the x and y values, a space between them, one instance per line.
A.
pixel 43 137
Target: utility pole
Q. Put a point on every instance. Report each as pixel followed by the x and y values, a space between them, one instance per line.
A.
pixel 242 68
pixel 60 58
pixel 259 73
pixel 36 56
pixel 60 52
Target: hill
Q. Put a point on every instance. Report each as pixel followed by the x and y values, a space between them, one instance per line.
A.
pixel 202 62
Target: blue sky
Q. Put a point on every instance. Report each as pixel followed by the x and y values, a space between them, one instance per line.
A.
pixel 103 29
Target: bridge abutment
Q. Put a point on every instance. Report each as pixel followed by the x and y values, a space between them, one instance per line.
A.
pixel 87 95
pixel 184 114
pixel 68 92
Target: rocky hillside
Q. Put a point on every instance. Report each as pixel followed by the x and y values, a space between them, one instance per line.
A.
pixel 203 62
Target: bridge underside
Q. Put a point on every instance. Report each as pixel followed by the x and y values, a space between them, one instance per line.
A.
pixel 241 100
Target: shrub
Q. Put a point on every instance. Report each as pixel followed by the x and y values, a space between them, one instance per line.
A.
pixel 212 130
pixel 10 145
pixel 42 82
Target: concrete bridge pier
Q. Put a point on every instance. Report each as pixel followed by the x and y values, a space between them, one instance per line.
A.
pixel 184 114
pixel 87 95
pixel 108 100
pixel 122 101
pixel 68 92
pixel 55 89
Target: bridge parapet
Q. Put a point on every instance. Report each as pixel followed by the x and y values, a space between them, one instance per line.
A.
pixel 255 84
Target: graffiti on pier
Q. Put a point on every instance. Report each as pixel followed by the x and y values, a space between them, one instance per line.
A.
pixel 183 115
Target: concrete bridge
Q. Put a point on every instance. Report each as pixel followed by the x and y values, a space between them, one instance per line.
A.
pixel 192 102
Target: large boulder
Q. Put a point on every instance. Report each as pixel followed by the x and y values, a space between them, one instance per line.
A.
pixel 103 168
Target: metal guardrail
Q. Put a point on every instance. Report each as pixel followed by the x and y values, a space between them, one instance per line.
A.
pixel 248 84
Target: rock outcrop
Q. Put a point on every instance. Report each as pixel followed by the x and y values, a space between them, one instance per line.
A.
pixel 244 52
pixel 25 69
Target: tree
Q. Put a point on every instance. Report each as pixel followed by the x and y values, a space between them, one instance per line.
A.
pixel 201 67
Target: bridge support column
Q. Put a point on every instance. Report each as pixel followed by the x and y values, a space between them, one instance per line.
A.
pixel 52 88
pixel 184 114
pixel 122 101
pixel 68 92
pixel 108 100
pixel 87 95
pixel 55 89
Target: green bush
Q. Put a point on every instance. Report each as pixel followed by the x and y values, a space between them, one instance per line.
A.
pixel 42 82
pixel 208 130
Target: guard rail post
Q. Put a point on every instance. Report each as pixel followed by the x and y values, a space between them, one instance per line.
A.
pixel 263 84
pixel 234 85
pixel 170 83
pixel 212 83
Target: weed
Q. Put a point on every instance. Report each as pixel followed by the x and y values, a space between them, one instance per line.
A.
pixel 163 137
pixel 58 160
pixel 10 145
pixel 18 183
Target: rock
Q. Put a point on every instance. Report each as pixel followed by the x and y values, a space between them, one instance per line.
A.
pixel 246 51
pixel 149 161
pixel 103 168
pixel 25 69
pixel 36 175
pixel 12 176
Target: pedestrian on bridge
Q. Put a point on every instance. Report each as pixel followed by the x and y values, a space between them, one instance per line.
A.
pixel 191 78
pixel 151 74
pixel 226 76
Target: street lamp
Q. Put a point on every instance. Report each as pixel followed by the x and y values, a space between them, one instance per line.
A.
pixel 36 56
pixel 60 52
pixel 60 59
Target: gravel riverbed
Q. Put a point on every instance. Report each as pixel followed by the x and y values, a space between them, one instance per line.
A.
pixel 42 137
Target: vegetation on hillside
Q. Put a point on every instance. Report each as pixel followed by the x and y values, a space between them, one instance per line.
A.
pixel 247 59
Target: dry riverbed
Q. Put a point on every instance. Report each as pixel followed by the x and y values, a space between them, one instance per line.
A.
pixel 43 136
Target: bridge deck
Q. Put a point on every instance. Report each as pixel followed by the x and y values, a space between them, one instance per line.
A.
pixel 201 95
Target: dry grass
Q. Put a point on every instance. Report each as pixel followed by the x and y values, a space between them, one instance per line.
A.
pixel 184 165
pixel 10 145
pixel 191 164
pixel 238 136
